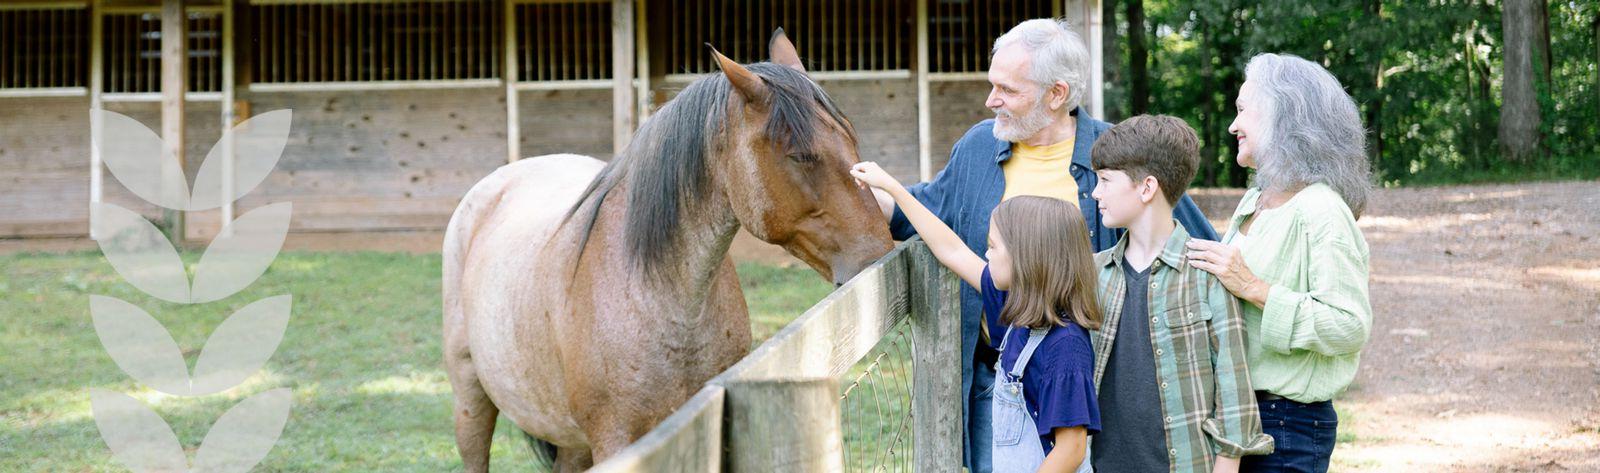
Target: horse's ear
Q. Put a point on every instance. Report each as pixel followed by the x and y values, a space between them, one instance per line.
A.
pixel 751 86
pixel 783 52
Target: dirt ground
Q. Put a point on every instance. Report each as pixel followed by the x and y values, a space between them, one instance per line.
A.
pixel 1485 348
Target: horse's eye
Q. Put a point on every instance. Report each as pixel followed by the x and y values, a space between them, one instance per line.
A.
pixel 803 158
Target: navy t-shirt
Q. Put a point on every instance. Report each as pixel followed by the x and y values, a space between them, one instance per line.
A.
pixel 1058 383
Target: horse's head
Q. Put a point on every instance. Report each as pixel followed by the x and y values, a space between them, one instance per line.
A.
pixel 787 173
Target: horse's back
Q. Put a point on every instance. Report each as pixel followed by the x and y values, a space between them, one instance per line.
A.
pixel 497 278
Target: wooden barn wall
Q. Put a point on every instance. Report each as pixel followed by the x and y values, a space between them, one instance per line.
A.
pixel 369 160
pixel 957 106
pixel 44 162
pixel 391 160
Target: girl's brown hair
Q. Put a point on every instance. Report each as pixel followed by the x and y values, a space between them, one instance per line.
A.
pixel 1052 274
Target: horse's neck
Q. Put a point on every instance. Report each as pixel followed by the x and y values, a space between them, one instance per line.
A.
pixel 683 279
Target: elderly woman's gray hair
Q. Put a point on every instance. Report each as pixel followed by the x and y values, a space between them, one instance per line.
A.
pixel 1058 55
pixel 1313 130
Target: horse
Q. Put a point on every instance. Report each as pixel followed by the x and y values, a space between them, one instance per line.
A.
pixel 586 301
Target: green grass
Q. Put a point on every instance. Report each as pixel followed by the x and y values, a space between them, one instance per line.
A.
pixel 361 354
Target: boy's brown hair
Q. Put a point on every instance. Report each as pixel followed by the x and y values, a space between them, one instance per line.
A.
pixel 1151 145
pixel 1052 274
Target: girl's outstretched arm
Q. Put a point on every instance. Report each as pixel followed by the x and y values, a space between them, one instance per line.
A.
pixel 944 243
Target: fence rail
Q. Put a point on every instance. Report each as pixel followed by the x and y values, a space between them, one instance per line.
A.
pixel 779 408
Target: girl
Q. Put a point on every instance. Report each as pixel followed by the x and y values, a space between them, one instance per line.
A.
pixel 1038 290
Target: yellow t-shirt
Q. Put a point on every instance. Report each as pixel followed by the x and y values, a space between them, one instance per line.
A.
pixel 1044 170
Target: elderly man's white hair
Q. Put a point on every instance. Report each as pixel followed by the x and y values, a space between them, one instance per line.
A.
pixel 1058 55
pixel 1312 130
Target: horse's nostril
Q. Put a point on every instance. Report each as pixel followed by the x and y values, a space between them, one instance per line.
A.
pixel 838 285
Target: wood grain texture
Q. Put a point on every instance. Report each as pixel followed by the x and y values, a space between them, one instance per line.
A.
pixel 784 425
pixel 936 347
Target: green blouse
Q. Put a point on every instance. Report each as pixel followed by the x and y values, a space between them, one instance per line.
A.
pixel 1306 343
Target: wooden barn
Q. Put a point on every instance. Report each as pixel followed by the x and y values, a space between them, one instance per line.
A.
pixel 400 106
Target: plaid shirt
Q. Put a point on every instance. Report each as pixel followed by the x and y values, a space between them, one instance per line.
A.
pixel 1198 337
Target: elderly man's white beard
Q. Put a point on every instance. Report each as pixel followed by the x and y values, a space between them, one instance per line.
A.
pixel 1016 129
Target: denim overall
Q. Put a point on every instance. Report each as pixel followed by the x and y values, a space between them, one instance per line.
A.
pixel 1016 436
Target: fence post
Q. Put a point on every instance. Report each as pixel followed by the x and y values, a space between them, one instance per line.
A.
pixel 783 425
pixel 935 349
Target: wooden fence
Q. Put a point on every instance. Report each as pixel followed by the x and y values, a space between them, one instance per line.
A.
pixel 778 409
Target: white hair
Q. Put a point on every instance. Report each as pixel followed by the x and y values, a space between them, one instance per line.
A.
pixel 1313 132
pixel 1058 55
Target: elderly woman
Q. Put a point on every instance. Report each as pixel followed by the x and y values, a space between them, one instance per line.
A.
pixel 1293 254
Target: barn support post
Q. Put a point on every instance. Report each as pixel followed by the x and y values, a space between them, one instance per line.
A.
pixel 228 119
pixel 924 114
pixel 174 85
pixel 96 128
pixel 935 322
pixel 1085 14
pixel 513 114
pixel 641 53
pixel 623 107
pixel 783 425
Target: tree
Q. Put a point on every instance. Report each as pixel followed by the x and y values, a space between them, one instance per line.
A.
pixel 1520 140
pixel 1111 48
pixel 1138 60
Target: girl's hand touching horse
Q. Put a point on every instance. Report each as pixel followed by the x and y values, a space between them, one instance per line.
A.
pixel 868 173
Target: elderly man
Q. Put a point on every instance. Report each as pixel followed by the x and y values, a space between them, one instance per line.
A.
pixel 1037 144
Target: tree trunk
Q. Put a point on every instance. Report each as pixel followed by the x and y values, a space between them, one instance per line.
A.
pixel 1138 60
pixel 1230 53
pixel 1541 38
pixel 1596 27
pixel 1210 113
pixel 1375 107
pixel 1519 104
pixel 1111 50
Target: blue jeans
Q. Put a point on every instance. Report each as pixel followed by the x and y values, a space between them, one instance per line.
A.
pixel 979 431
pixel 1304 435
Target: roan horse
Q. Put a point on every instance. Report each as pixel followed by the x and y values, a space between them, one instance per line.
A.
pixel 586 302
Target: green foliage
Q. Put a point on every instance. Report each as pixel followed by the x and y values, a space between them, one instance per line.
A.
pixel 1426 75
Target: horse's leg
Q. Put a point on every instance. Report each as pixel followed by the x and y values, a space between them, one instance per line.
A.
pixel 475 415
pixel 474 412
pixel 573 460
pixel 614 433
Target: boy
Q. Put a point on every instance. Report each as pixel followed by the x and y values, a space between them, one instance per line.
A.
pixel 1175 392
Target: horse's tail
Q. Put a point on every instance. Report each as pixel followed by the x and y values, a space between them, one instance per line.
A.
pixel 544 453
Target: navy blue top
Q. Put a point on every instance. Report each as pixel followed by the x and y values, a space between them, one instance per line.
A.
pixel 971 185
pixel 1058 383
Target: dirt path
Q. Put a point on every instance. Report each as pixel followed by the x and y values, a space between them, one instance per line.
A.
pixel 1485 350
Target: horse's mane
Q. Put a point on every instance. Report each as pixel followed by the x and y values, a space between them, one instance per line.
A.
pixel 666 161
